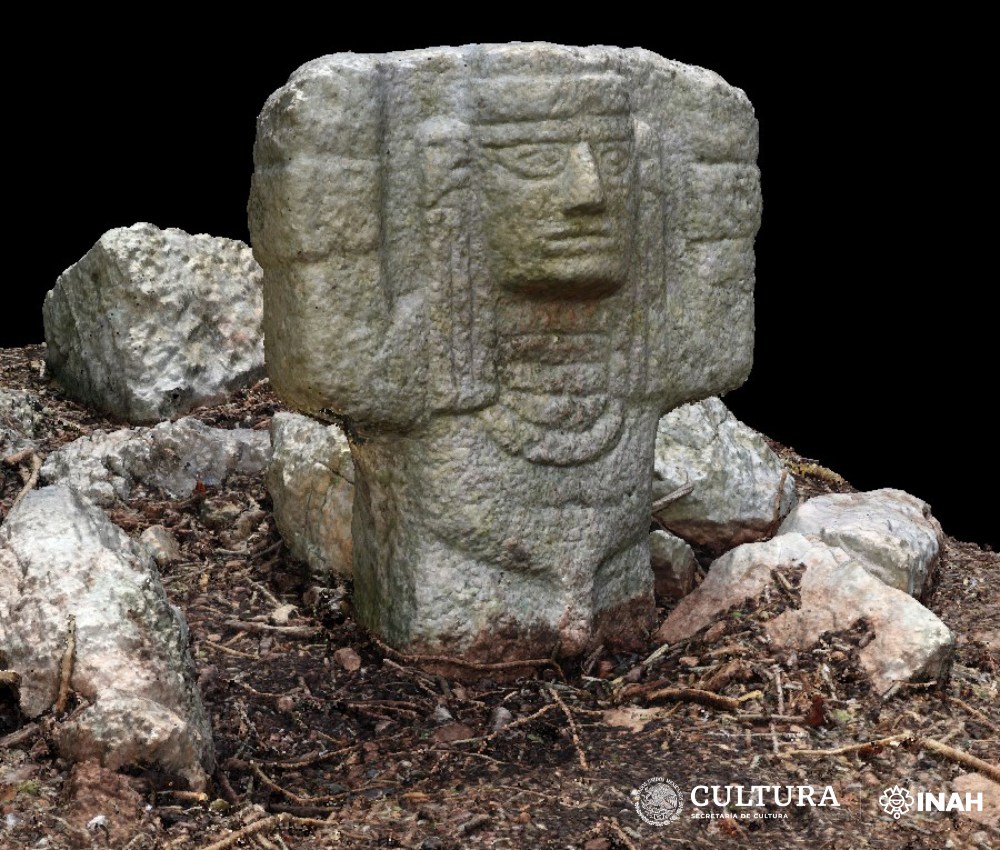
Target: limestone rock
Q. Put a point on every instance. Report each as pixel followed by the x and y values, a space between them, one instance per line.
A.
pixel 311 483
pixel 161 545
pixel 741 489
pixel 891 533
pixel 20 414
pixel 498 266
pixel 152 323
pixel 94 465
pixel 836 593
pixel 673 564
pixel 172 457
pixel 61 558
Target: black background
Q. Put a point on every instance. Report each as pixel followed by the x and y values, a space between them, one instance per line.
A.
pixel 876 333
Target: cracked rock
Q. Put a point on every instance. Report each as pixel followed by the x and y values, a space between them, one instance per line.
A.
pixel 172 457
pixel 741 489
pixel 837 592
pixel 891 533
pixel 152 323
pixel 61 562
pixel 311 482
pixel 673 564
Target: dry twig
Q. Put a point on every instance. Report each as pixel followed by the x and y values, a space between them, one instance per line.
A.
pixel 620 834
pixel 305 632
pixel 851 748
pixel 227 649
pixel 274 786
pixel 963 758
pixel 264 826
pixel 18 457
pixel 36 465
pixel 696 695
pixel 512 725
pixel 975 712
pixel 18 737
pixel 66 665
pixel 572 728
pixel 776 670
pixel 497 666
pixel 670 498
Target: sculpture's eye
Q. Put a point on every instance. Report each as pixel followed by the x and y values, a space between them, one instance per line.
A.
pixel 533 160
pixel 613 157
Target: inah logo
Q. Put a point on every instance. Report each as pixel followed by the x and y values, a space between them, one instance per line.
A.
pixel 896 801
pixel 658 801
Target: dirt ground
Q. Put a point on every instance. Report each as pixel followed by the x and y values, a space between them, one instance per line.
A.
pixel 328 739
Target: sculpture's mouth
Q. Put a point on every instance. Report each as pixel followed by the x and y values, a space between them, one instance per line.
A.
pixel 578 232
pixel 573 245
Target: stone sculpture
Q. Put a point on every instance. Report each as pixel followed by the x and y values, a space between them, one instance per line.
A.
pixel 497 266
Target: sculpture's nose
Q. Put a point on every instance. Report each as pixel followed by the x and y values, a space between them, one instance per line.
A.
pixel 582 190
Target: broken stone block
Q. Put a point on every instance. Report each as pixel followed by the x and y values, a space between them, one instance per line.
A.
pixel 673 564
pixel 741 489
pixel 311 483
pixel 497 266
pixel 152 323
pixel 172 457
pixel 69 578
pixel 836 593
pixel 891 533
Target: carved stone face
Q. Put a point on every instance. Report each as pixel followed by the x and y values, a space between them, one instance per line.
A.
pixel 557 204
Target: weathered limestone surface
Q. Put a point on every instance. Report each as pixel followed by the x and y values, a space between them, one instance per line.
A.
pixel 498 266
pixel 61 558
pixel 673 564
pixel 152 323
pixel 20 413
pixel 311 482
pixel 172 456
pixel 741 489
pixel 836 592
pixel 891 533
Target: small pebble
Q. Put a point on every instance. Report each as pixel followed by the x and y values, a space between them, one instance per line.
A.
pixel 500 718
pixel 347 658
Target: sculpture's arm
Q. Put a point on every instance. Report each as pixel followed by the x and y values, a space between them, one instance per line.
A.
pixel 702 192
pixel 337 343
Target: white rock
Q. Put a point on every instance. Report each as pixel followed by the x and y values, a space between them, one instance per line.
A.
pixel 173 457
pixel 836 592
pixel 673 564
pixel 311 482
pixel 741 489
pixel 161 545
pixel 151 323
pixel 891 533
pixel 20 415
pixel 120 730
pixel 60 557
pixel 95 465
